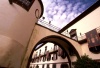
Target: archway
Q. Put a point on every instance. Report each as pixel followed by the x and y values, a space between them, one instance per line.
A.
pixel 61 42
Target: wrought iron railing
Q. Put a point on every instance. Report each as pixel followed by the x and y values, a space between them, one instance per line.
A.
pixel 82 36
pixel 48 25
pixel 66 33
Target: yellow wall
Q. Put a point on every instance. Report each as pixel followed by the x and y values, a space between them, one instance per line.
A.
pixel 11 52
pixel 16 22
pixel 85 50
pixel 16 25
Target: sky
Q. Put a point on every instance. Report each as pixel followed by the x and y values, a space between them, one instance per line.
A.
pixel 62 12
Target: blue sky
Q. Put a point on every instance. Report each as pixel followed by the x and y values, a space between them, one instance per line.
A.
pixel 62 12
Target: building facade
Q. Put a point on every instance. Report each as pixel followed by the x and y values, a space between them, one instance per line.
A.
pixel 27 44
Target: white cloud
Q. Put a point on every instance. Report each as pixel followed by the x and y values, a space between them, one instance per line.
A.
pixel 81 8
pixel 77 5
pixel 61 12
pixel 56 17
pixel 63 16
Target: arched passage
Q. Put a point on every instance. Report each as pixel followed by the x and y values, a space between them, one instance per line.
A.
pixel 63 43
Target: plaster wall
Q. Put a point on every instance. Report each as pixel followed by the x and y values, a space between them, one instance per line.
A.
pixel 89 22
pixel 16 25
pixel 11 52
pixel 85 50
pixel 16 22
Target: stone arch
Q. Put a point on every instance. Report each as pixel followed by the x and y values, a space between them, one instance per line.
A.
pixel 62 42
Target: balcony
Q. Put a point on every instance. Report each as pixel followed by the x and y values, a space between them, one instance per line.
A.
pixel 48 25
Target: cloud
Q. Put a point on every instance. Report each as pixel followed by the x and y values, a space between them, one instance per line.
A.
pixel 62 12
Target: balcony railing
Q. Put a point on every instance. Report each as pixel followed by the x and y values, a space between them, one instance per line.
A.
pixel 48 25
pixel 82 36
pixel 66 33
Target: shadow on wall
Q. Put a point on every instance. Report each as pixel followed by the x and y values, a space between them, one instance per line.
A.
pixel 11 53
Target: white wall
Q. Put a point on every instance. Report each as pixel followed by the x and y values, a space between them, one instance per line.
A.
pixel 89 22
